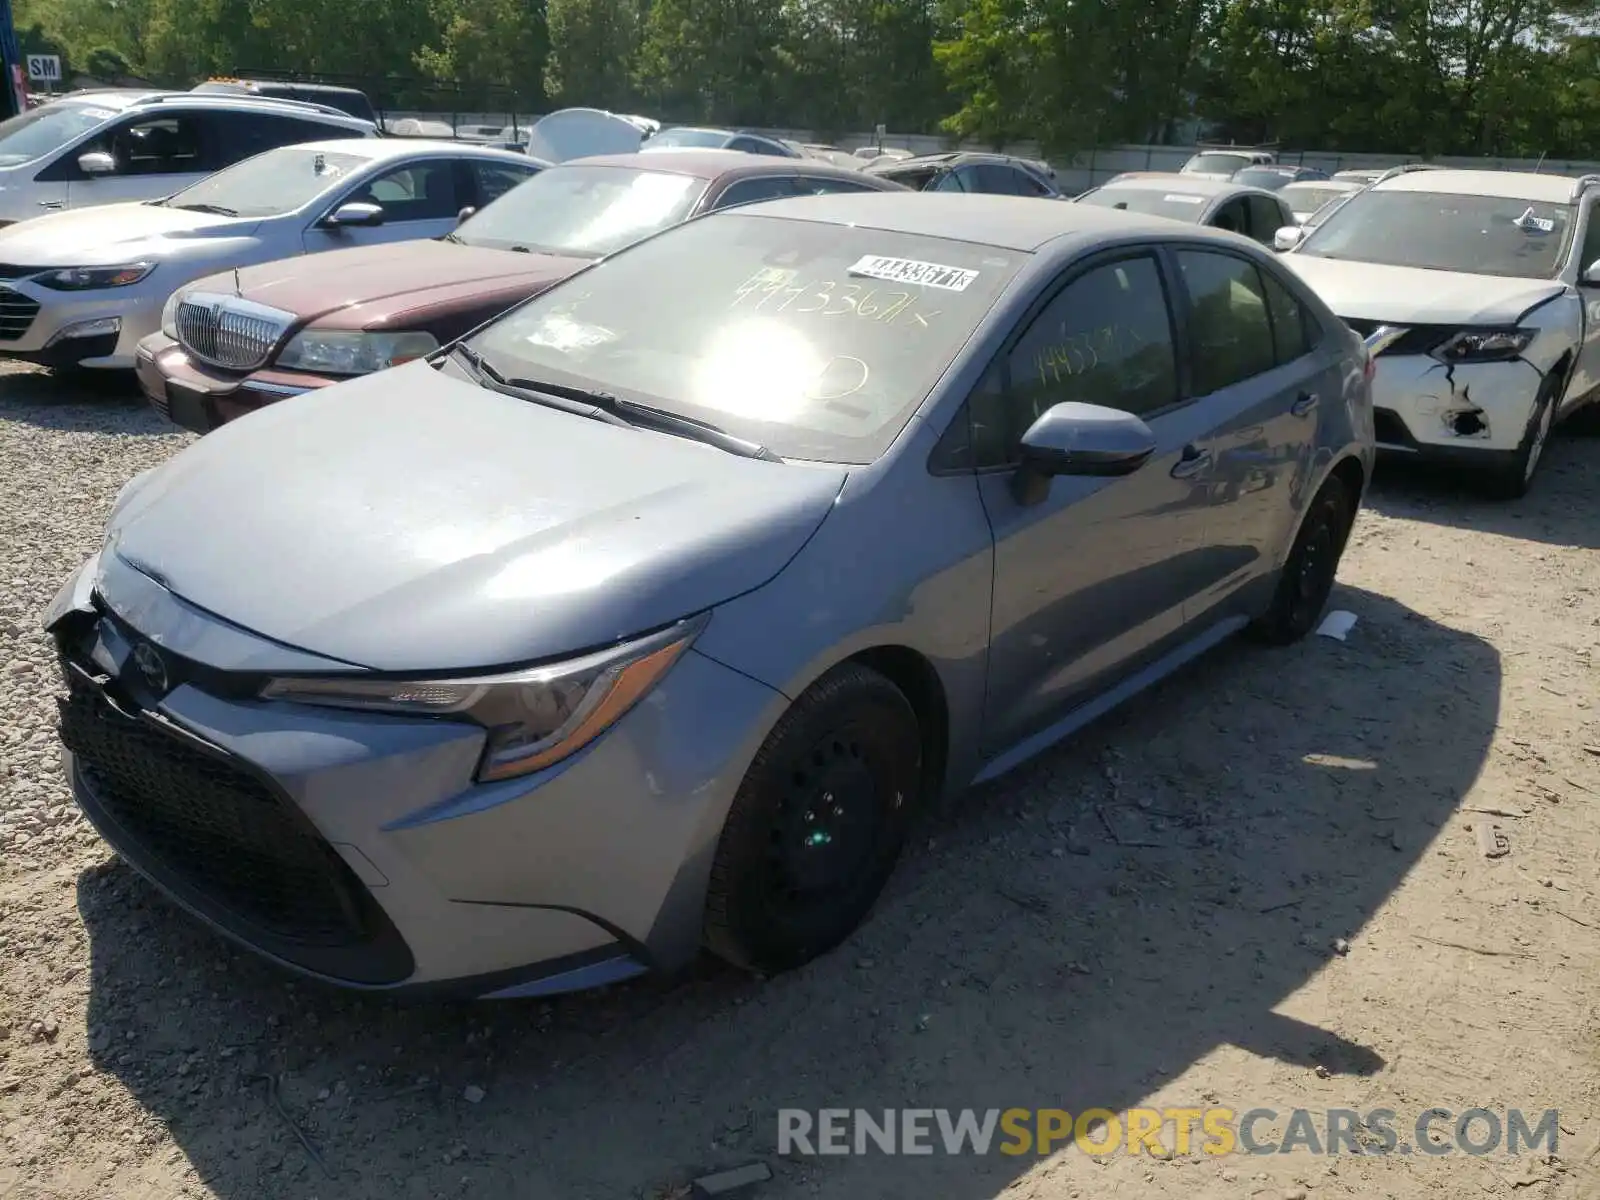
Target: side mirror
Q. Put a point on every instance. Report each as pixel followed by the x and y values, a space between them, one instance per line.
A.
pixel 465 213
pixel 356 214
pixel 1591 275
pixel 1288 237
pixel 97 162
pixel 1080 439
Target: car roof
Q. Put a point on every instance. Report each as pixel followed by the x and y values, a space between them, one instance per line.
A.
pixel 1022 223
pixel 115 97
pixel 382 149
pixel 1509 185
pixel 714 164
pixel 1189 184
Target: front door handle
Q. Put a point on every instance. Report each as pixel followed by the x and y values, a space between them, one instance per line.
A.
pixel 52 204
pixel 1304 404
pixel 1193 460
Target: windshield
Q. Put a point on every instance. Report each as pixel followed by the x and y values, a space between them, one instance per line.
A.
pixel 269 184
pixel 816 340
pixel 1153 202
pixel 584 210
pixel 1308 197
pixel 704 139
pixel 1440 231
pixel 48 127
pixel 1216 164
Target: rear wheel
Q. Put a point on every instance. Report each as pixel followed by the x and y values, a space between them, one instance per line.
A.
pixel 1313 564
pixel 817 823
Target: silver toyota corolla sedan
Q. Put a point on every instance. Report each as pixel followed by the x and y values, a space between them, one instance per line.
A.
pixel 651 615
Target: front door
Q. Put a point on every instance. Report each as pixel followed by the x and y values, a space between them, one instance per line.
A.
pixel 1586 374
pixel 420 199
pixel 1094 577
pixel 1260 389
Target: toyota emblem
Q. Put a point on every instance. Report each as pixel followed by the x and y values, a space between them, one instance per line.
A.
pixel 148 659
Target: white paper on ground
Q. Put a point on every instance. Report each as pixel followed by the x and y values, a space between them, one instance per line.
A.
pixel 1337 625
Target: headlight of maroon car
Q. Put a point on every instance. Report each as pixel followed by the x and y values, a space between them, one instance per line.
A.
pixel 352 352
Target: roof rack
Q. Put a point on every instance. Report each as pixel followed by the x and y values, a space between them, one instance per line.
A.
pixel 245 97
pixel 1406 169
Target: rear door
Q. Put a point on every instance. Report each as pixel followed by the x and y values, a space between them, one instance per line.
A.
pixel 420 198
pixel 1259 381
pixel 1093 579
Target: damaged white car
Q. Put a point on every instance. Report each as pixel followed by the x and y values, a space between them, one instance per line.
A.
pixel 1479 295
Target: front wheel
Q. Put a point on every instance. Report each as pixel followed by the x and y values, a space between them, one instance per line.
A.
pixel 817 823
pixel 1512 479
pixel 1312 566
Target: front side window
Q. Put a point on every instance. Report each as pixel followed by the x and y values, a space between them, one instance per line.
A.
pixel 494 179
pixel 270 184
pixel 165 145
pixel 816 340
pixel 1446 231
pixel 584 211
pixel 1105 338
pixel 41 130
pixel 1267 216
pixel 423 191
pixel 950 181
pixel 1230 333
pixel 752 191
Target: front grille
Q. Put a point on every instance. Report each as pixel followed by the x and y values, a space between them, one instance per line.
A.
pixel 228 332
pixel 1417 339
pixel 16 314
pixel 216 828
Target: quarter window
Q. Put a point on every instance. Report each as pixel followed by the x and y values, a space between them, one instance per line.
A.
pixel 1230 334
pixel 1291 323
pixel 1105 338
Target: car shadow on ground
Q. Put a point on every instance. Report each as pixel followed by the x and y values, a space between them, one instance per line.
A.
pixel 1442 496
pixel 1074 936
pixel 78 401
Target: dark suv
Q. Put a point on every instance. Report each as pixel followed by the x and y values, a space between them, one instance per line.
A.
pixel 995 174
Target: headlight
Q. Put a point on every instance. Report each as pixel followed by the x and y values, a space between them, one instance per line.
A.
pixel 169 315
pixel 337 352
pixel 535 717
pixel 1483 345
pixel 78 279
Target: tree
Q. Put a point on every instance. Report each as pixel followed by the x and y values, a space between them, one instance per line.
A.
pixel 594 51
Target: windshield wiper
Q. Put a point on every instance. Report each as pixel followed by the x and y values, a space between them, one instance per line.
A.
pixel 214 209
pixel 604 406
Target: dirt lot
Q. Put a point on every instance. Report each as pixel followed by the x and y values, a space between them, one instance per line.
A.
pixel 1264 805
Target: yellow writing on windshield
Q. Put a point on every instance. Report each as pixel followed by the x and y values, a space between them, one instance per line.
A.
pixel 776 290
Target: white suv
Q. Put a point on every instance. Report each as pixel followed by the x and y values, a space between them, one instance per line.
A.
pixel 1479 295
pixel 119 144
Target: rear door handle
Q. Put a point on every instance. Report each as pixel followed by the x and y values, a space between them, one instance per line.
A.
pixel 52 204
pixel 1304 404
pixel 1193 460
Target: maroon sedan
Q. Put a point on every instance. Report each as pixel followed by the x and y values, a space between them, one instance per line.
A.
pixel 231 344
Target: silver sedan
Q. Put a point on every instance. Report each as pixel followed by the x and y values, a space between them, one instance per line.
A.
pixel 81 288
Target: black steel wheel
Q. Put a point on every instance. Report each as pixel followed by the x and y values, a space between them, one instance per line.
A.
pixel 1312 566
pixel 817 824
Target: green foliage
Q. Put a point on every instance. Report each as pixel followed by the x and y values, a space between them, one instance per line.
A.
pixel 1506 77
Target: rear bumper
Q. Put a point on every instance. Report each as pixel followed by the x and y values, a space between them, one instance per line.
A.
pixel 201 397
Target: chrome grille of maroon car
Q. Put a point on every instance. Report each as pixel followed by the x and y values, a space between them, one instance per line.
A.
pixel 228 331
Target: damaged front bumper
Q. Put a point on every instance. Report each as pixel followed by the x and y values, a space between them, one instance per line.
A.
pixel 1423 407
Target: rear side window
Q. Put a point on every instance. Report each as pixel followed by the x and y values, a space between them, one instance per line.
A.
pixel 1232 216
pixel 1230 333
pixel 996 180
pixel 238 136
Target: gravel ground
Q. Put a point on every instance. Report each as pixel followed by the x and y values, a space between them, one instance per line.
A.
pixel 1260 886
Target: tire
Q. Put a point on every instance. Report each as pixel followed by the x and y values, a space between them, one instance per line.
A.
pixel 1311 568
pixel 791 879
pixel 1512 480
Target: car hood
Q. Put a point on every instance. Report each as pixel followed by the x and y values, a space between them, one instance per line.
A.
pixel 366 285
pixel 410 521
pixel 111 233
pixel 1414 296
